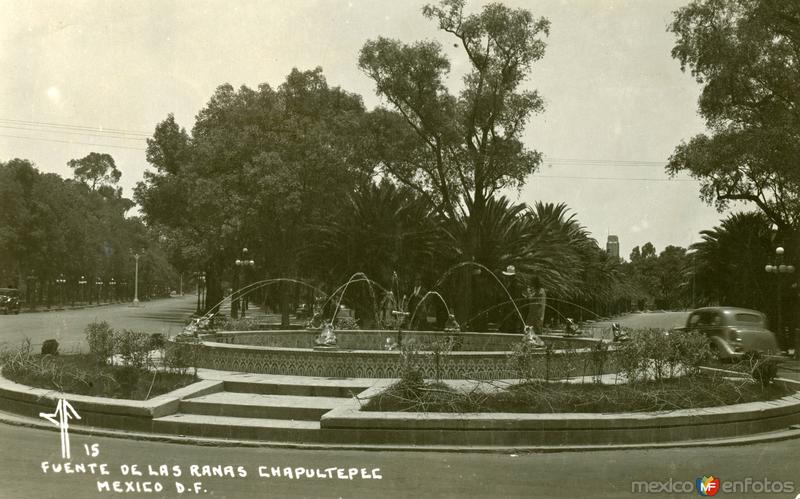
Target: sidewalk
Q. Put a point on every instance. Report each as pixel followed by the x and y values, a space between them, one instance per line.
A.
pixel 789 369
pixel 61 308
pixel 82 306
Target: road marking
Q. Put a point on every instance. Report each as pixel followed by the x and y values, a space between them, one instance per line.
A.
pixel 64 412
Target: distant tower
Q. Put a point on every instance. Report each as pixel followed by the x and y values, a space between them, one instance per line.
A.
pixel 612 246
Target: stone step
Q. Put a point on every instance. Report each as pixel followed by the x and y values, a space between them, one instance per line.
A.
pixel 270 430
pixel 313 387
pixel 251 405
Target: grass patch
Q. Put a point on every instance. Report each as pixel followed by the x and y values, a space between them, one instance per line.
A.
pixel 699 390
pixel 81 374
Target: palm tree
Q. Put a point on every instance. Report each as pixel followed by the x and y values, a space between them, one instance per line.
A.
pixel 382 230
pixel 569 262
pixel 728 266
pixel 545 241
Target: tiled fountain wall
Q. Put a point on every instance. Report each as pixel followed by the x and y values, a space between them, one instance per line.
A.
pixel 480 355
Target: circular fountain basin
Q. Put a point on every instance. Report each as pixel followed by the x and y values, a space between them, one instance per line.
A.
pixel 359 354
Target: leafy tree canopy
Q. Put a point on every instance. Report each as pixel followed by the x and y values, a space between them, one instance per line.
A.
pixel 745 54
pixel 95 169
pixel 259 167
pixel 458 150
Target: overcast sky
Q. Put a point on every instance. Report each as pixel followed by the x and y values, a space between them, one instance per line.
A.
pixel 617 103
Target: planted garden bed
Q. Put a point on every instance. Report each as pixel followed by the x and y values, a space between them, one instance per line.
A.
pixel 688 392
pixel 80 374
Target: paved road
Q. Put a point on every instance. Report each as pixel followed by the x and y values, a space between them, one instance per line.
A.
pixel 165 316
pixel 404 474
pixel 654 319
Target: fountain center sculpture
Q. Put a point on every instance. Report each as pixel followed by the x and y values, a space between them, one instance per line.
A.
pixel 326 338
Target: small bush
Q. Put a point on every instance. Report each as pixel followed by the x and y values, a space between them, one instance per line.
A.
pixel 81 374
pixel 599 360
pixel 50 347
pixel 412 379
pixel 542 397
pixel 439 355
pixel 133 347
pixel 100 338
pixel 763 370
pixel 653 354
pixel 690 350
pixel 179 357
pixel 410 358
pixel 127 377
pixel 527 362
pixel 157 341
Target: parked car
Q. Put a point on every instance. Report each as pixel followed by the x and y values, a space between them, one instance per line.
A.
pixel 9 300
pixel 733 331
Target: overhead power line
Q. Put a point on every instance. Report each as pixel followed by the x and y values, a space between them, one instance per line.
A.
pixel 100 129
pixel 68 132
pixel 73 142
pixel 603 163
pixel 617 161
pixel 575 177
pixel 134 135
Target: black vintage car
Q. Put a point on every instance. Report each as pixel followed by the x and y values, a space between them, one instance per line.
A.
pixel 9 300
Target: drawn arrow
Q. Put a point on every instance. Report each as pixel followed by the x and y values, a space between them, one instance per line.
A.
pixel 64 412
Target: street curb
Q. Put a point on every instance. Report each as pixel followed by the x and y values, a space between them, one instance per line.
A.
pixel 130 420
pixel 790 433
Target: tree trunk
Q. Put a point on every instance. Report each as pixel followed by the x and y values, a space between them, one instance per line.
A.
pixel 213 289
pixel 284 301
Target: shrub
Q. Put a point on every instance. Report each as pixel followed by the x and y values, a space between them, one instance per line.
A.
pixel 763 370
pixel 599 360
pixel 157 341
pixel 410 360
pixel 100 338
pixel 412 379
pixel 127 377
pixel 17 359
pixel 179 357
pixel 439 349
pixel 655 354
pixel 566 363
pixel 50 347
pixel 527 362
pixel 689 350
pixel 133 347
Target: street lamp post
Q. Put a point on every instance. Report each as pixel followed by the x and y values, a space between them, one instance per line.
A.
pixel 113 290
pixel 136 281
pixel 240 302
pixel 780 269
pixel 31 291
pixel 82 287
pixel 60 281
pixel 99 283
pixel 200 278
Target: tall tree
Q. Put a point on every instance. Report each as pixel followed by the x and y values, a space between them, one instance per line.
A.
pixel 259 166
pixel 745 54
pixel 51 227
pixel 459 150
pixel 95 169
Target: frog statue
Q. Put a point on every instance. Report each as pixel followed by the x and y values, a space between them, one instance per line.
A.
pixel 326 338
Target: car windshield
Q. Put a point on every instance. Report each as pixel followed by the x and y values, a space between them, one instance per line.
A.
pixel 748 318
